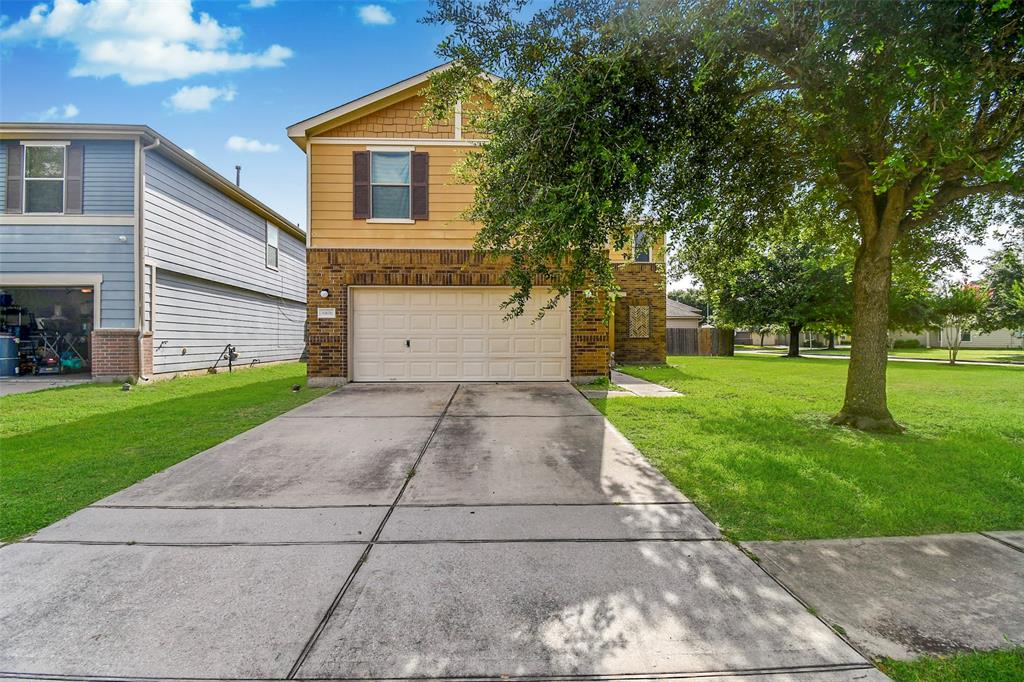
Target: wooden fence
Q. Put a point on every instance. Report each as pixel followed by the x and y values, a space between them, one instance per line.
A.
pixel 681 341
pixel 704 341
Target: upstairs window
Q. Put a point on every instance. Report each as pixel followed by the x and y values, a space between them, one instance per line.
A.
pixel 641 249
pixel 390 185
pixel 272 234
pixel 44 178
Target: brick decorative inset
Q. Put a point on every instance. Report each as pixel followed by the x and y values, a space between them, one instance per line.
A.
pixel 115 353
pixel 338 269
pixel 643 285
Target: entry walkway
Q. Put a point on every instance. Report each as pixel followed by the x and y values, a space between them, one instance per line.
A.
pixel 413 531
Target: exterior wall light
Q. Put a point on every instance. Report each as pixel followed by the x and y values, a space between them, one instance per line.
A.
pixel 324 293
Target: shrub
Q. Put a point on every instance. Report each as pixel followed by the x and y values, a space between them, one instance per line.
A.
pixel 907 343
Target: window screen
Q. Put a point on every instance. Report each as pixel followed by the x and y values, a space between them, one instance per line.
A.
pixel 44 179
pixel 390 185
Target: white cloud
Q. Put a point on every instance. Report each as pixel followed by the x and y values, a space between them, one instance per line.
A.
pixel 141 42
pixel 376 15
pixel 237 143
pixel 198 97
pixel 66 112
pixel 259 4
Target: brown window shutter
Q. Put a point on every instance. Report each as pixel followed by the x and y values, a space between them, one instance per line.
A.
pixel 420 189
pixel 74 165
pixel 15 178
pixel 360 185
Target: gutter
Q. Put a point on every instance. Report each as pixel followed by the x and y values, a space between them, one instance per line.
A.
pixel 140 252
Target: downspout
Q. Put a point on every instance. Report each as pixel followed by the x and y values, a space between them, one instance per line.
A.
pixel 140 254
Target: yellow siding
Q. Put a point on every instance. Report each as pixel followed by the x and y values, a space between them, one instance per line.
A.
pixel 331 198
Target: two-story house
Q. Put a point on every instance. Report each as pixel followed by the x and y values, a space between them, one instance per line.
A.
pixel 121 254
pixel 395 291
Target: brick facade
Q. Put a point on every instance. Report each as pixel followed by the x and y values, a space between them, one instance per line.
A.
pixel 337 269
pixel 642 284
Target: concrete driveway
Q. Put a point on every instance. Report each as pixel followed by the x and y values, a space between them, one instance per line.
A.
pixel 478 531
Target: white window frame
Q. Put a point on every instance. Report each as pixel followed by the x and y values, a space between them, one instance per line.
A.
pixel 271 240
pixel 25 178
pixel 394 150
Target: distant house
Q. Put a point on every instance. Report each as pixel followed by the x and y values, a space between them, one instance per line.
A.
pixel 936 338
pixel 681 316
pixel 121 254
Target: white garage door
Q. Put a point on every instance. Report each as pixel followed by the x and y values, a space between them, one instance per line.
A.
pixel 455 334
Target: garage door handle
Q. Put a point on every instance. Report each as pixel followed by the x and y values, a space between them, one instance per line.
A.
pixel 408 344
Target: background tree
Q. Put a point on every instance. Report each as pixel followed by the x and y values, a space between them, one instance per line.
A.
pixel 1003 276
pixel 898 124
pixel 960 307
pixel 784 285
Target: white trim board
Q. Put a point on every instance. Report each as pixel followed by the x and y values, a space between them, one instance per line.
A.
pixel 61 279
pixel 123 220
pixel 388 141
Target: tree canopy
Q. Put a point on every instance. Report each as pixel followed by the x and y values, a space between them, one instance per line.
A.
pixel 890 129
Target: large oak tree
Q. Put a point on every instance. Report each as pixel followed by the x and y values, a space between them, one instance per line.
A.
pixel 900 124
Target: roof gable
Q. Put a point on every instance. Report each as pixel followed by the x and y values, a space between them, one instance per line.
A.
pixel 364 106
pixel 677 309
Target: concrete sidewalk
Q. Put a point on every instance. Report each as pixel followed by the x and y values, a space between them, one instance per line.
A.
pixel 906 596
pixel 891 358
pixel 412 531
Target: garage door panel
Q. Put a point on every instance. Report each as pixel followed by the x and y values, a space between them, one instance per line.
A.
pixel 447 321
pixel 438 334
pixel 395 322
pixel 395 298
pixel 445 299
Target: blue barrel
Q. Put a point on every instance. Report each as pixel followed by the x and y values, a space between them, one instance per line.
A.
pixel 8 355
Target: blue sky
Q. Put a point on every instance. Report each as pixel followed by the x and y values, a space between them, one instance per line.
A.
pixel 242 72
pixel 222 79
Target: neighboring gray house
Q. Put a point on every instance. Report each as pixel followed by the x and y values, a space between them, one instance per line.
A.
pixel 681 315
pixel 122 254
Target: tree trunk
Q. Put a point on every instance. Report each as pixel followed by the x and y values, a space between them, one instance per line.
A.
pixel 831 340
pixel 762 339
pixel 794 340
pixel 865 405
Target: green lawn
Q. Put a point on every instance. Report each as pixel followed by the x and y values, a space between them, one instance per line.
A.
pixel 966 354
pixel 751 444
pixel 990 666
pixel 65 448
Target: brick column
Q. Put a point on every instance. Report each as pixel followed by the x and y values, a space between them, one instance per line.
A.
pixel 643 285
pixel 115 353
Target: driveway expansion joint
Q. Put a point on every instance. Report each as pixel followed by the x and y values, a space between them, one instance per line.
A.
pixel 1003 542
pixel 369 547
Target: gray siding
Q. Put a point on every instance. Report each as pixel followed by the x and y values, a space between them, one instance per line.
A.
pixel 108 184
pixel 147 298
pixel 195 319
pixel 193 229
pixel 3 177
pixel 109 177
pixel 48 249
